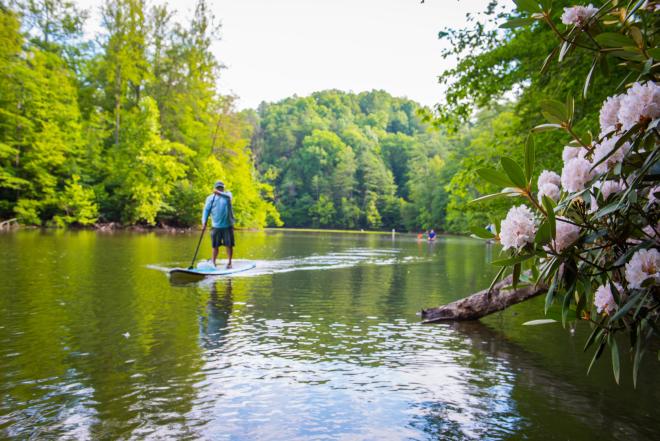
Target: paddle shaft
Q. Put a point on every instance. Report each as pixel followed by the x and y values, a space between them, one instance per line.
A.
pixel 202 235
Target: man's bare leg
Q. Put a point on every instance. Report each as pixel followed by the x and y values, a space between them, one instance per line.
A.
pixel 230 253
pixel 215 255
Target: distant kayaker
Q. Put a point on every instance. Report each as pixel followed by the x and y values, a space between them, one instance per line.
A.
pixel 432 235
pixel 219 207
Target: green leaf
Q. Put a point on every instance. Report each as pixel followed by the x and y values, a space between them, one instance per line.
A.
pixel 546 127
pixel 543 235
pixel 570 108
pixel 550 211
pixel 529 158
pixel 494 195
pixel 514 172
pixel 632 301
pixel 654 52
pixel 482 233
pixel 539 322
pixel 517 23
pixel 548 59
pixel 550 295
pixel 614 39
pixel 555 109
pixel 494 177
pixel 595 334
pixel 590 75
pixel 616 363
pixel 527 5
pixel 597 355
pixel 515 277
pixel 546 4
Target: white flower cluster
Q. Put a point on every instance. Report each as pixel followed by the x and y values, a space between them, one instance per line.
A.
pixel 548 185
pixel 604 300
pixel 605 148
pixel 578 15
pixel 518 228
pixel 640 104
pixel 609 188
pixel 566 234
pixel 575 174
pixel 644 265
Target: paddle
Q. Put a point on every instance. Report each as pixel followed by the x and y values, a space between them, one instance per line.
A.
pixel 202 235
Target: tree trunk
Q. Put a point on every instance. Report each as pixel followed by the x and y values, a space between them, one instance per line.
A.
pixel 482 303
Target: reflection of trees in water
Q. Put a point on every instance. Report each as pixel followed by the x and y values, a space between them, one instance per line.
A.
pixel 536 403
pixel 214 325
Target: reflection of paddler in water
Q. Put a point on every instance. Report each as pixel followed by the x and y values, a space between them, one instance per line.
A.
pixel 218 309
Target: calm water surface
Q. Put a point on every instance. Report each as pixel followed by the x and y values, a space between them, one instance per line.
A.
pixel 321 341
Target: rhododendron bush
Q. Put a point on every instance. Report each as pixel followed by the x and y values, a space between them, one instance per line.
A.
pixel 590 230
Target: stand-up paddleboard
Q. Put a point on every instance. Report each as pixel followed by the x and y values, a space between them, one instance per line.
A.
pixel 205 271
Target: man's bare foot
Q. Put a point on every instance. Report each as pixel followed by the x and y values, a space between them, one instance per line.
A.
pixel 229 266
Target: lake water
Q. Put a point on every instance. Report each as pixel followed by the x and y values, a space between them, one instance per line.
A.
pixel 321 341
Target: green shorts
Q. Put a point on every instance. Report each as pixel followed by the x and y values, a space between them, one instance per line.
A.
pixel 222 237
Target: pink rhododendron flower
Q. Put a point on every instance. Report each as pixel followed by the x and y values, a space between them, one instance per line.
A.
pixel 644 264
pixel 575 174
pixel 604 300
pixel 640 103
pixel 604 148
pixel 608 188
pixel 578 15
pixel 549 190
pixel 608 113
pixel 518 228
pixel 573 152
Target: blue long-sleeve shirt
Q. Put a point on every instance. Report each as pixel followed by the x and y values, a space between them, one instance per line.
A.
pixel 222 215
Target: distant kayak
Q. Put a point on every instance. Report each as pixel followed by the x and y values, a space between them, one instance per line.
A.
pixel 207 271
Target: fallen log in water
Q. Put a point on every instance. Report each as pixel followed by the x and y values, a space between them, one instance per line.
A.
pixel 482 303
pixel 8 224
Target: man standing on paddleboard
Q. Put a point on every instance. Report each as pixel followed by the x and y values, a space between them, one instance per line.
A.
pixel 218 207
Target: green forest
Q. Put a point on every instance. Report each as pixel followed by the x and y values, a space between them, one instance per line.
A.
pixel 129 127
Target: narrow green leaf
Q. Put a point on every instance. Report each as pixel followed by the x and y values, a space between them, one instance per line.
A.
pixel 539 322
pixel 546 127
pixel 570 108
pixel 517 23
pixel 632 301
pixel 597 355
pixel 550 295
pixel 495 177
pixel 529 158
pixel 527 5
pixel 548 59
pixel 491 196
pixel 595 334
pixel 555 108
pixel 590 75
pixel 482 233
pixel 514 172
pixel 516 275
pixel 550 211
pixel 616 363
pixel 543 235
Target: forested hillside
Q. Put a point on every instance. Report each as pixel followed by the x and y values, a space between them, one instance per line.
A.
pixel 347 160
pixel 126 127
